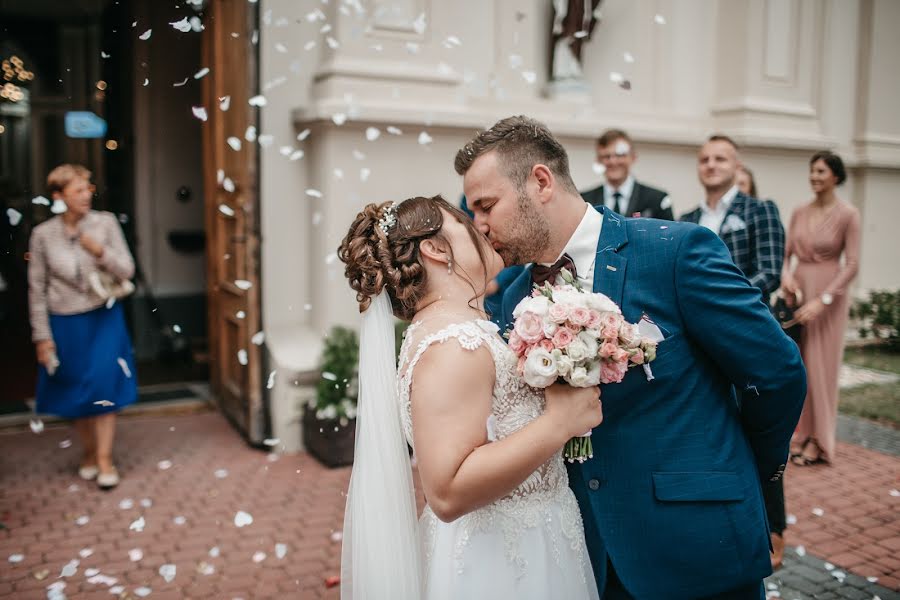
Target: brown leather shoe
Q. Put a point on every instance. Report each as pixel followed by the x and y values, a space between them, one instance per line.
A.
pixel 777 554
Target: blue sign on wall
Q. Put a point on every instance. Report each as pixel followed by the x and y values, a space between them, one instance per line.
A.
pixel 84 124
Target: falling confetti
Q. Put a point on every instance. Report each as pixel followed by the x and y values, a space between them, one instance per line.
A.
pixel 364 174
pixel 314 193
pixel 329 376
pixel 242 519
pixel 138 525
pixel 167 572
pixel 164 465
pixel 529 76
pixel 224 103
pixel 242 357
pixel 271 381
pixel 828 566
pixel 226 210
pixel 242 284
pixel 240 314
pixel 339 118
pixel 250 134
pixel 372 133
pixel 660 20
pixel 40 200
pixel 258 338
pixel 309 46
pixel 266 140
pixel 358 155
pixel 182 25
pixel 303 135
pixel 37 426
pixel 338 173
pixel 271 442
pixel 15 217
pixel 104 54
pixel 181 83
pixel 146 35
pixel 281 48
pixel 628 57
pixel 58 208
pixel 235 143
pixel 124 366
pixel 394 130
pixel 104 403
pixel 257 101
pixel 332 43
pixel 337 536
pixel 791 519
pixel 146 82
pixel 199 112
pixel 872 579
pixel 65 444
pixel 201 73
pixel 425 139
pixel 296 155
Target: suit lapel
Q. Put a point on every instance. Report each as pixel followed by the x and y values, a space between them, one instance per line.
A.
pixel 609 266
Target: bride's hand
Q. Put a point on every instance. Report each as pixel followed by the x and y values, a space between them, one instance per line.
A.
pixel 576 410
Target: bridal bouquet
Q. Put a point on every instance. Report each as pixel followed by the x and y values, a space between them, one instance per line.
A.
pixel 563 332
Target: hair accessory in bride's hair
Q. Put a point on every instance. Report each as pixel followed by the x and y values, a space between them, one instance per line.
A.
pixel 388 218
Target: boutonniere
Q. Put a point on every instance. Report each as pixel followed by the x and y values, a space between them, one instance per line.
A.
pixel 733 223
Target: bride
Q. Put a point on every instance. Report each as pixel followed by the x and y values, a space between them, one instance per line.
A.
pixel 500 520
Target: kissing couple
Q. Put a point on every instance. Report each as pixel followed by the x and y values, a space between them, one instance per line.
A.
pixel 669 506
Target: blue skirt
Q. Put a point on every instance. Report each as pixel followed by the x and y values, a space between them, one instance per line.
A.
pixel 96 373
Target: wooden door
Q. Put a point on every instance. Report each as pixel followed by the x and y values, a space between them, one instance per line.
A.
pixel 232 213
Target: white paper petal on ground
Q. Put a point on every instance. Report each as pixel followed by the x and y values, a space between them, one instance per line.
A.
pixel 123 364
pixel 214 552
pixel 117 590
pixel 204 568
pixel 242 519
pixel 818 511
pixel 258 100
pixel 91 572
pixel 146 35
pixel 234 142
pixel 221 473
pixel 138 525
pixel 425 139
pixel 126 504
pixel 242 357
pixel 167 572
pixel 142 591
pixel 791 519
pixel 182 25
pixel 37 426
pixel 14 216
pixel 65 444
pixel 179 520
pixel 146 502
pixel 243 284
pixel 828 566
pixel 82 520
pixel 280 550
pixel 372 133
pixel 199 112
pixel 164 465
pixel 895 493
pixel 314 193
pixel 872 579
pixel 69 569
pixel 270 383
pixel 135 554
pixel 337 536
pixel 16 558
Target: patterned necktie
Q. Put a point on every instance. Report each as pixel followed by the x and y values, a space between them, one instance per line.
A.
pixel 617 200
pixel 543 273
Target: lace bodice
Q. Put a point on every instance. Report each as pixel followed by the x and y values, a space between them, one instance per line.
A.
pixel 514 405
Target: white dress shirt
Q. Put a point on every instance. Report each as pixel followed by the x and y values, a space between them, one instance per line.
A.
pixel 712 219
pixel 626 189
pixel 582 247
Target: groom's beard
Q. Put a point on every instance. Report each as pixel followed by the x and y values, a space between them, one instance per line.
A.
pixel 528 237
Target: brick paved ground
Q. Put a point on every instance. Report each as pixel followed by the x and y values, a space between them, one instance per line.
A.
pixel 188 476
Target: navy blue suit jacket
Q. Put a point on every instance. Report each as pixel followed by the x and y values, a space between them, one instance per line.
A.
pixel 673 489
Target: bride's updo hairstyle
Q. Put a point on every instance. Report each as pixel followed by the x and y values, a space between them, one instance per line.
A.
pixel 381 250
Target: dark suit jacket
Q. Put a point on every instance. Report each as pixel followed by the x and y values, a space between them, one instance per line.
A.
pixel 675 477
pixel 645 201
pixel 753 232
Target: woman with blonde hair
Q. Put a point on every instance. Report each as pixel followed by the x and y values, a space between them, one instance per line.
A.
pixel 79 263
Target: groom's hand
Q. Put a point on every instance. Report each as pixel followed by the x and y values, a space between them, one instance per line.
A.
pixel 576 410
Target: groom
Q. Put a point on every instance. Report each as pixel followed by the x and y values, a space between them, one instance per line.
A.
pixel 671 501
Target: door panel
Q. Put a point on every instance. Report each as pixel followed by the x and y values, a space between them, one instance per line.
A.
pixel 232 209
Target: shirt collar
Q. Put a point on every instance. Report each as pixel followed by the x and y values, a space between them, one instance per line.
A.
pixel 582 246
pixel 724 202
pixel 625 189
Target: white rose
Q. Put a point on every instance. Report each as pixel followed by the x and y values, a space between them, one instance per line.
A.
pixel 549 329
pixel 602 303
pixel 576 350
pixel 540 368
pixel 590 342
pixel 564 364
pixel 593 374
pixel 571 298
pixel 538 305
pixel 578 377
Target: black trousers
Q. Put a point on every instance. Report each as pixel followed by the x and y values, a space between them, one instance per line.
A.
pixel 616 591
pixel 773 495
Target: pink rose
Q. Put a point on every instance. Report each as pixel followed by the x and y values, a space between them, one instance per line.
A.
pixel 562 338
pixel 516 344
pixel 607 349
pixel 611 320
pixel 546 345
pixel 638 357
pixel 529 327
pixel 610 333
pixel 621 356
pixel 580 316
pixel 596 319
pixel 559 312
pixel 612 372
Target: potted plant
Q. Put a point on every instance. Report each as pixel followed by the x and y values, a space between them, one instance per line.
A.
pixel 329 421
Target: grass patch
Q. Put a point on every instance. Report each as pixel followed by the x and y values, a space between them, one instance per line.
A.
pixel 873 357
pixel 876 401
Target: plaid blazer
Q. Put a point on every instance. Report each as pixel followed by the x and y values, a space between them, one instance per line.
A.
pixel 753 232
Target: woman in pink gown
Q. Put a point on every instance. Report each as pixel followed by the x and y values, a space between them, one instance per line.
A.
pixel 819 233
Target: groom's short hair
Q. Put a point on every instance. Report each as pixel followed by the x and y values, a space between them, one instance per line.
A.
pixel 520 143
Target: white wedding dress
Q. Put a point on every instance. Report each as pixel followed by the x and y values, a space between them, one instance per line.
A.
pixel 526 545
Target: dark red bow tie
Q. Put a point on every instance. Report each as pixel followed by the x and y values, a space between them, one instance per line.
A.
pixel 543 273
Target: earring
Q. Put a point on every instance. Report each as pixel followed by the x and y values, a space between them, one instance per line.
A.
pixel 449 268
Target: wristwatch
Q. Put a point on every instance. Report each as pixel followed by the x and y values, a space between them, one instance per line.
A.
pixel 827 299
